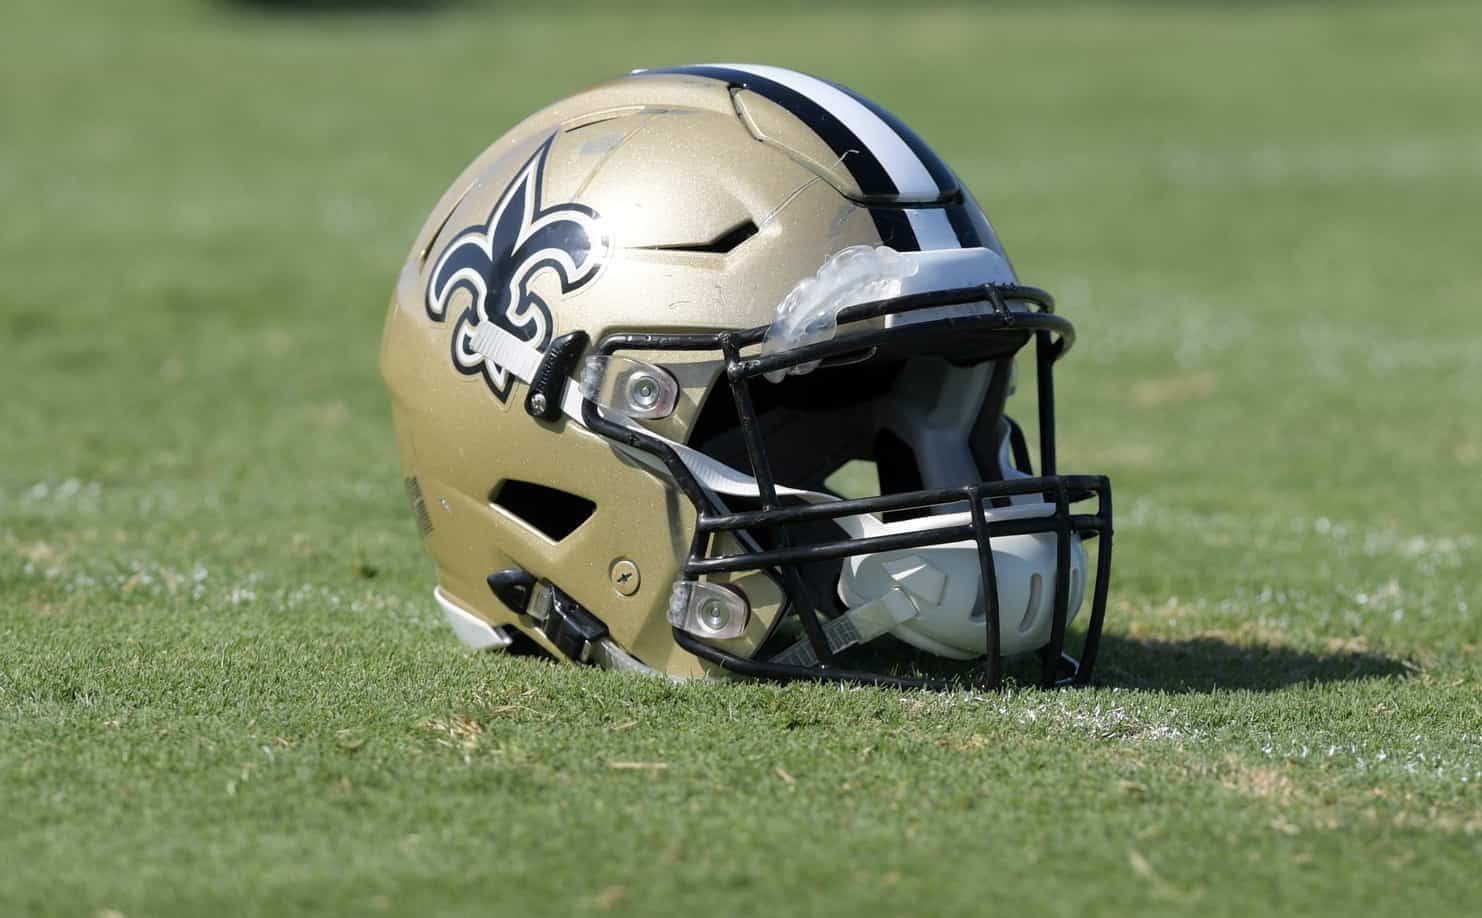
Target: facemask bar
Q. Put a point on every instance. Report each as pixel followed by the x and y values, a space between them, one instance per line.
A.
pixel 1053 337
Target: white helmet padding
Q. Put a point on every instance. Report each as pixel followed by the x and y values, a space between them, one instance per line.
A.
pixel 931 408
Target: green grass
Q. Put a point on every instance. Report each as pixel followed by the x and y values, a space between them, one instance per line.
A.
pixel 224 688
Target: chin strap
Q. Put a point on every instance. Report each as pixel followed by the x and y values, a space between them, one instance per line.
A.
pixel 521 359
pixel 857 626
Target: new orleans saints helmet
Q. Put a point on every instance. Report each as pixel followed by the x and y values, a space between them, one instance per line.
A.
pixel 704 371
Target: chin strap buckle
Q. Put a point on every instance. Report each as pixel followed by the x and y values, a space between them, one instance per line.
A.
pixel 513 588
pixel 548 385
pixel 574 631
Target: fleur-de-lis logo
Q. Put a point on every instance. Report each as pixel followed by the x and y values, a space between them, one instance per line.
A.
pixel 497 261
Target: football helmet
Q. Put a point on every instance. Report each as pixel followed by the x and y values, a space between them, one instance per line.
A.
pixel 703 371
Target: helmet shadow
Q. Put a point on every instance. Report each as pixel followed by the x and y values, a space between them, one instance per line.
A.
pixel 1208 664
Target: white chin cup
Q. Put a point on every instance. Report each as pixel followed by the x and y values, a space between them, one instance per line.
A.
pixel 942 583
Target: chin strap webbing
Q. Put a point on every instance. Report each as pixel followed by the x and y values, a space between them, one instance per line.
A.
pixel 521 359
pixel 857 626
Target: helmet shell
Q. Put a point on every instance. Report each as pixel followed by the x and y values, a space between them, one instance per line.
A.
pixel 712 202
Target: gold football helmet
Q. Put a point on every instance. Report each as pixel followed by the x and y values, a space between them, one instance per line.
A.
pixel 703 370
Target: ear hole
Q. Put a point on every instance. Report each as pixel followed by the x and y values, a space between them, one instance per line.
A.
pixel 552 512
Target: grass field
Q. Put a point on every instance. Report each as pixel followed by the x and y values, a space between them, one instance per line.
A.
pixel 224 688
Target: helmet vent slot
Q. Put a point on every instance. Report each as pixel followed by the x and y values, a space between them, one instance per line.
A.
pixel 552 512
pixel 723 244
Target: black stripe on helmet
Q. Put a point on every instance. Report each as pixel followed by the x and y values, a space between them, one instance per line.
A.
pixel 958 214
pixel 895 230
pixel 861 162
pixel 868 172
pixel 962 224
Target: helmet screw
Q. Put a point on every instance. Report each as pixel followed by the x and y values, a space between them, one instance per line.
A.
pixel 537 403
pixel 643 391
pixel 624 576
pixel 714 614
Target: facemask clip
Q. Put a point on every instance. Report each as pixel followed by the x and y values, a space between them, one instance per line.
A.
pixel 629 387
pixel 708 610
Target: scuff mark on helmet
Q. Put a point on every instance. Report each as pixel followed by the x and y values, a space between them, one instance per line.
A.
pixel 788 199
